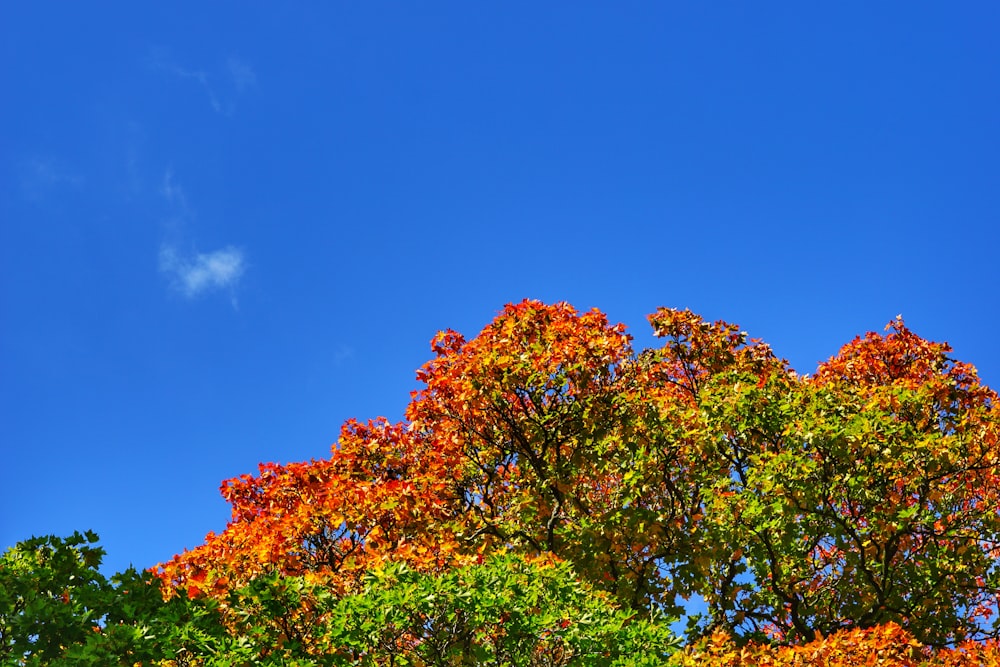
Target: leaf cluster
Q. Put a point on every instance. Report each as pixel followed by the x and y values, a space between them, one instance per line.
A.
pixel 546 459
pixel 508 610
pixel 886 645
pixel 794 505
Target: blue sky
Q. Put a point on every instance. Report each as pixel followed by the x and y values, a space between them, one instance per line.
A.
pixel 227 227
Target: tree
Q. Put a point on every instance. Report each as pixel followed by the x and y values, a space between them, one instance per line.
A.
pixel 886 645
pixel 51 595
pixel 863 495
pixel 508 610
pixel 794 505
pixel 57 609
pixel 546 460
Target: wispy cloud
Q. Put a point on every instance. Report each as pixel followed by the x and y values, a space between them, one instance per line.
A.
pixel 201 77
pixel 40 176
pixel 241 74
pixel 198 273
pixel 195 273
pixel 342 353
pixel 173 192
pixel 221 85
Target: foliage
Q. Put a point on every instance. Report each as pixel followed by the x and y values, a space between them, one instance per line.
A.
pixel 866 494
pixel 507 610
pixel 56 608
pixel 59 610
pixel 545 458
pixel 50 595
pixel 385 495
pixel 881 646
pixel 794 505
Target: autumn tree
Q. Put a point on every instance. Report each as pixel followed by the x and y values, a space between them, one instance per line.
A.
pixel 795 505
pixel 862 495
pixel 546 410
pixel 887 645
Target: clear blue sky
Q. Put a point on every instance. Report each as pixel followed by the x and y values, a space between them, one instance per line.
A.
pixel 227 227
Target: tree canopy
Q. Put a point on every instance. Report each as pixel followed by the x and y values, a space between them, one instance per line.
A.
pixel 546 459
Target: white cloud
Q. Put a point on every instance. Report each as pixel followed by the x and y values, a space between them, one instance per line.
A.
pixel 203 272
